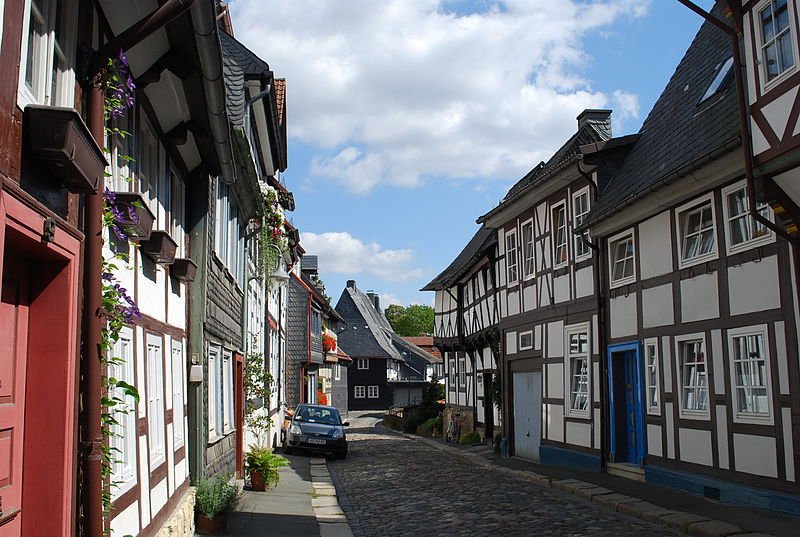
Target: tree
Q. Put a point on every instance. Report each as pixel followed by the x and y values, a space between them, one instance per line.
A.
pixel 415 320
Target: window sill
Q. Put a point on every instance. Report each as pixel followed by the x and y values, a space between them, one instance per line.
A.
pixel 753 420
pixel 767 86
pixel 752 243
pixel 622 283
pixel 581 415
pixel 694 415
pixel 699 260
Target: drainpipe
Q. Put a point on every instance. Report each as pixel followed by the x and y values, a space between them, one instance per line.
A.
pixel 93 258
pixel 598 262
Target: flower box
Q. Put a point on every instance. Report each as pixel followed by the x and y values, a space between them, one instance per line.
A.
pixel 160 247
pixel 60 139
pixel 183 269
pixel 134 217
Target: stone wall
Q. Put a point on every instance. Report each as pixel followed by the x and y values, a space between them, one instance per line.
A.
pixel 181 521
pixel 221 456
pixel 463 413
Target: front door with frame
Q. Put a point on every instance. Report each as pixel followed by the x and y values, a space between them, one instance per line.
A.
pixel 626 402
pixel 527 393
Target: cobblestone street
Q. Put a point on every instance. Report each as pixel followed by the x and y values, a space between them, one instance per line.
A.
pixel 392 486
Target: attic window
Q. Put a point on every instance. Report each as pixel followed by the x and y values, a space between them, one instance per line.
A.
pixel 722 74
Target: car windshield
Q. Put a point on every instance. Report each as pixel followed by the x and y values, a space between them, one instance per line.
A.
pixel 328 416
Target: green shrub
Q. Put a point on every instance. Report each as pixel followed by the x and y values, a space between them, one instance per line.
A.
pixel 473 437
pixel 410 424
pixel 265 462
pixel 431 427
pixel 215 496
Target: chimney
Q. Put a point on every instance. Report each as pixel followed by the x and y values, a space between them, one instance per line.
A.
pixel 376 299
pixel 600 118
pixel 309 264
pixel 351 284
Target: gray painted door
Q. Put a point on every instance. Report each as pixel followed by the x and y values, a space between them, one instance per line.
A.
pixel 527 414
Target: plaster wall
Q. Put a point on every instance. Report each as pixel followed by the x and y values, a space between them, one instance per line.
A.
pixel 700 298
pixel 655 245
pixel 746 297
pixel 755 455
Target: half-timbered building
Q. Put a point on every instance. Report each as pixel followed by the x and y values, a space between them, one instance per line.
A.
pixel 699 296
pixel 546 291
pixel 466 329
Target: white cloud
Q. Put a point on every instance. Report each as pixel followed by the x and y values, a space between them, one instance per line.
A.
pixel 400 91
pixel 387 299
pixel 626 104
pixel 341 253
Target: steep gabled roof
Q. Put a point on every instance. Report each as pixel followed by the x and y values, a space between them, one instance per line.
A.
pixel 681 131
pixel 366 333
pixel 590 131
pixel 480 242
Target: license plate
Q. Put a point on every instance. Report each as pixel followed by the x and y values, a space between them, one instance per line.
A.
pixel 316 441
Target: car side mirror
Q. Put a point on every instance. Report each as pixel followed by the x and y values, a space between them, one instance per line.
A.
pixel 346 424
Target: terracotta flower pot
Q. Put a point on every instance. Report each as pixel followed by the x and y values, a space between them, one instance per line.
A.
pixel 257 481
pixel 212 526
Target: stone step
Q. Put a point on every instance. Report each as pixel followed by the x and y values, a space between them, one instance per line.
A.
pixel 626 470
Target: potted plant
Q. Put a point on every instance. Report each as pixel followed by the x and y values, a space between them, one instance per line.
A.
pixel 328 343
pixel 262 465
pixel 214 499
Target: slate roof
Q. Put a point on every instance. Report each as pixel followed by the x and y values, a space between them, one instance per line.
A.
pixel 589 133
pixel 480 242
pixel 679 130
pixel 426 344
pixel 366 327
pixel 369 334
pixel 238 64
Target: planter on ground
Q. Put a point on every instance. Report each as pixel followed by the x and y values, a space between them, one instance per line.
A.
pixel 215 525
pixel 60 139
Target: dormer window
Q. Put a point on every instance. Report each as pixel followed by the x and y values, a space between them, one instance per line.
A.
pixel 722 74
pixel 777 54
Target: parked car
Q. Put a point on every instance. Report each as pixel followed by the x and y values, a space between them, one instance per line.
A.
pixel 316 428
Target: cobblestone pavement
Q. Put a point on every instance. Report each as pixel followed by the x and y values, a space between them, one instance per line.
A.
pixel 390 486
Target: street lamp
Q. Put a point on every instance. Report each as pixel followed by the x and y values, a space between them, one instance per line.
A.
pixel 279 275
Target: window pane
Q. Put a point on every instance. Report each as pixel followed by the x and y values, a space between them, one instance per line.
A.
pixel 786 54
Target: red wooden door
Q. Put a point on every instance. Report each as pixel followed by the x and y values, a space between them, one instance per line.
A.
pixel 13 360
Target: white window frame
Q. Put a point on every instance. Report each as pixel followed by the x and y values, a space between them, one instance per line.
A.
pixel 462 372
pixel 214 357
pixel 512 269
pixel 337 371
pixel 155 400
pixel 65 91
pixel 750 417
pixel 554 209
pixel 359 392
pixel 524 347
pixel 124 437
pixel 178 393
pixel 571 358
pixel 612 243
pixel 373 392
pixel 652 376
pixel 363 363
pixel 751 241
pixel 766 85
pixel 681 214
pixel 451 374
pixel 580 240
pixel 528 251
pixel 228 423
pixel 694 414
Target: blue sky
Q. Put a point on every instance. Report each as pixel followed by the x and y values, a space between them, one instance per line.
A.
pixel 408 119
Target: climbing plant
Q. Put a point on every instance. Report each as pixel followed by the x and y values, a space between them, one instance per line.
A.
pixel 117 308
pixel 272 231
pixel 257 395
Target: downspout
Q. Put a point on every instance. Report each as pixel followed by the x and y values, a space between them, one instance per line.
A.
pixel 598 262
pixel 93 259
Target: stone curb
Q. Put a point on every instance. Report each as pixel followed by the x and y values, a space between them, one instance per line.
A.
pixel 330 516
pixel 689 523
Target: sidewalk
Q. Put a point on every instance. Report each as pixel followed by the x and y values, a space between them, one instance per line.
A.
pixel 304 504
pixel 671 508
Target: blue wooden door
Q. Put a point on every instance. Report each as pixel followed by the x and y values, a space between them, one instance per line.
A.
pixel 627 421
